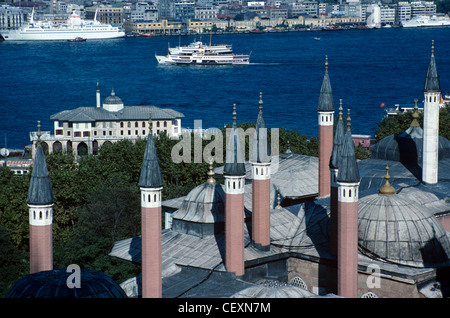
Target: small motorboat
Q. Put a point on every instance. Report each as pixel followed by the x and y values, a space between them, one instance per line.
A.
pixel 77 39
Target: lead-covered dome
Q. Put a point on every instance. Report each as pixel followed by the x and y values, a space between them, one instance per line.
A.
pixel 53 284
pixel 202 211
pixel 397 230
pixel 113 102
pixel 407 147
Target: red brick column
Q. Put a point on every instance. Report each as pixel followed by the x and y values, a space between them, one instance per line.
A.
pixel 261 206
pixel 41 238
pixel 234 225
pixel 151 243
pixel 325 148
pixel 348 240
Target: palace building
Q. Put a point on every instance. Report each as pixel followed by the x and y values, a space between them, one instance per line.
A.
pixel 84 129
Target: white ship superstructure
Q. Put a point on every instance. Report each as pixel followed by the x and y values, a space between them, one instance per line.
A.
pixel 198 53
pixel 73 28
pixel 427 21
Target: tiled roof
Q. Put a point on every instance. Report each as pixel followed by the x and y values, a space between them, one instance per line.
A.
pixel 40 191
pixel 90 114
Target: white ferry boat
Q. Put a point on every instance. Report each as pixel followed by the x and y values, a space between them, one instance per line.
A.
pixel 427 21
pixel 198 53
pixel 73 28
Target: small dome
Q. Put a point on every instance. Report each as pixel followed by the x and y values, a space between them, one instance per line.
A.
pixel 204 204
pixel 113 102
pixel 394 229
pixel 273 289
pixel 53 284
pixel 407 147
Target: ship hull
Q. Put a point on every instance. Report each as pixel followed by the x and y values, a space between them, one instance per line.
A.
pixel 49 35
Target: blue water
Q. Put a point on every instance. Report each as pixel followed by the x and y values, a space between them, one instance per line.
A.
pixel 368 67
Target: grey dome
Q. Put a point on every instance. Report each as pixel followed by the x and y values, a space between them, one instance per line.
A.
pixel 113 99
pixel 407 147
pixel 53 284
pixel 202 208
pixel 273 289
pixel 397 230
pixel 204 204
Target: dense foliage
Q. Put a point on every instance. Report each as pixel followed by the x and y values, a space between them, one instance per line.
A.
pixel 398 124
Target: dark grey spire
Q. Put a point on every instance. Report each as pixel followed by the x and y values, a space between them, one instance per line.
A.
pixel 432 79
pixel 326 95
pixel 348 167
pixel 260 149
pixel 234 162
pixel 339 134
pixel 150 172
pixel 40 191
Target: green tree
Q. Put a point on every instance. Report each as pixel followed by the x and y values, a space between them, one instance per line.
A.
pixel 14 263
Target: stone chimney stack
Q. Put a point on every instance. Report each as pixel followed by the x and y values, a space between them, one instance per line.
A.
pixel 151 185
pixel 234 173
pixel 432 94
pixel 326 121
pixel 40 202
pixel 260 160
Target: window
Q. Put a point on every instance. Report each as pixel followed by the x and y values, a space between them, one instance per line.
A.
pixel 136 124
pixel 143 124
pixel 121 124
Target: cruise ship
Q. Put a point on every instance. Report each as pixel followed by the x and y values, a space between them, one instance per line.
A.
pixel 201 54
pixel 427 21
pixel 75 27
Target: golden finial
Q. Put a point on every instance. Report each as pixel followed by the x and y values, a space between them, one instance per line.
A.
pixel 348 120
pixel 234 115
pixel 278 207
pixel 387 189
pixel 326 63
pixel 260 103
pixel 415 115
pixel 340 109
pixel 150 124
pixel 211 180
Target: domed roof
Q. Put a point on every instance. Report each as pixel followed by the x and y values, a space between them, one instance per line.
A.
pixel 273 289
pixel 397 230
pixel 113 99
pixel 204 204
pixel 53 284
pixel 407 147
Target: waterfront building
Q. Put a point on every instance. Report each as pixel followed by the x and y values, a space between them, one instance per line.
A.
pixel 144 12
pixel 105 14
pixel 403 12
pixel 84 130
pixel 161 27
pixel 205 13
pixel 11 17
